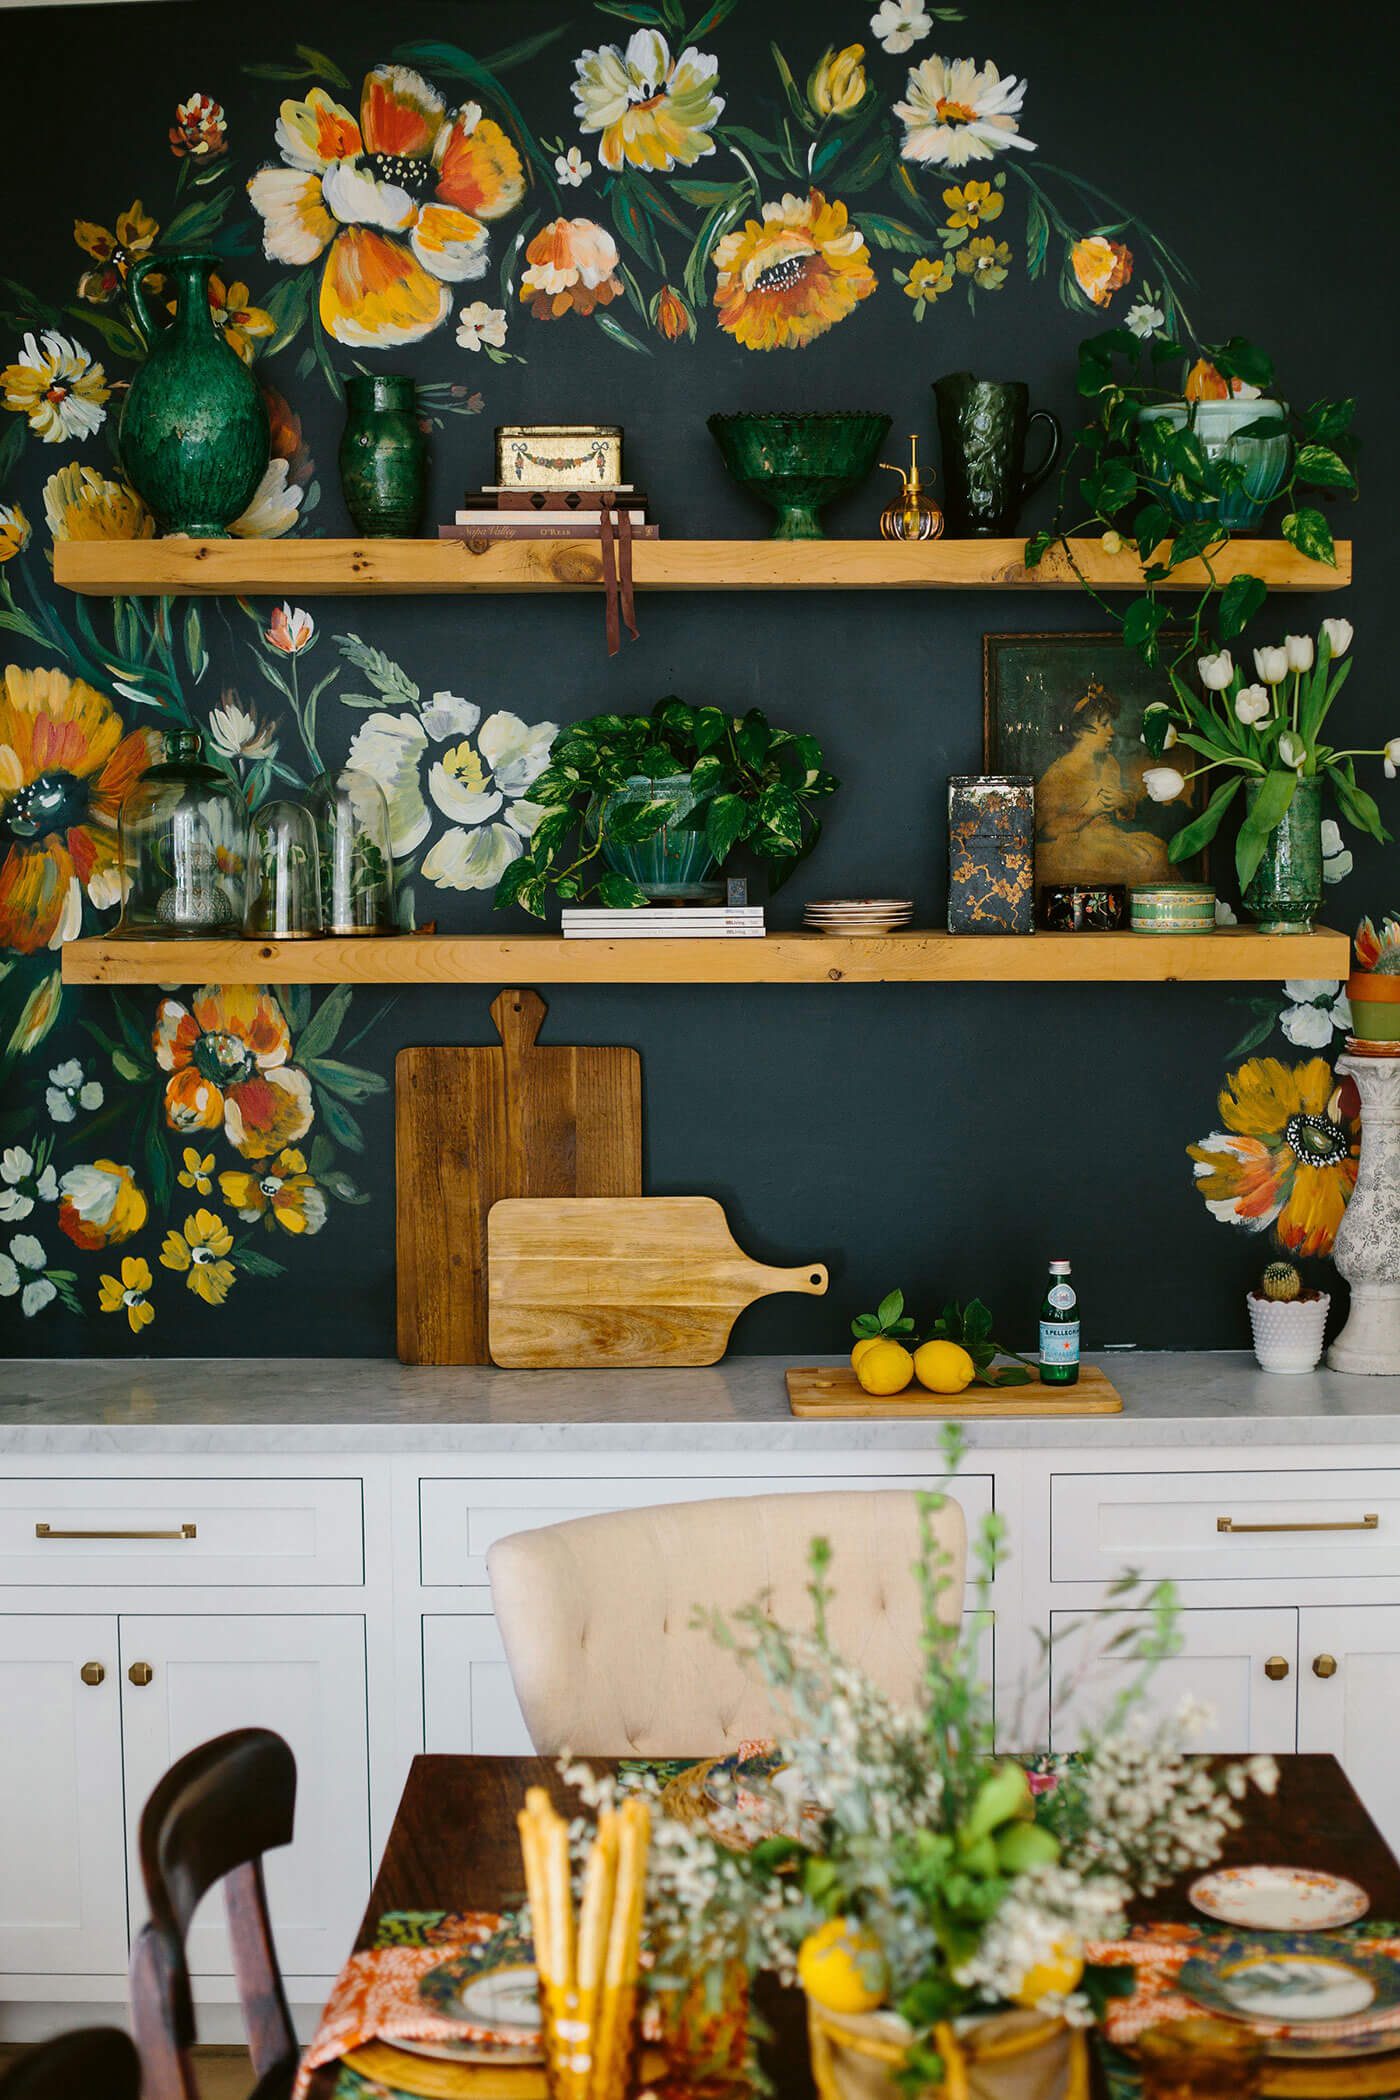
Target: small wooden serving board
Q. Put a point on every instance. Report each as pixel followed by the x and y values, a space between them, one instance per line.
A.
pixel 832 1392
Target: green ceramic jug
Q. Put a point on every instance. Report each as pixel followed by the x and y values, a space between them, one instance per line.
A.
pixel 193 439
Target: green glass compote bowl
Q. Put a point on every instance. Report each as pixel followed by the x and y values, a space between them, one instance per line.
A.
pixel 799 462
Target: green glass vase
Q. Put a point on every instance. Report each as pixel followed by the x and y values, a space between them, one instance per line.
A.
pixel 1285 891
pixel 194 439
pixel 383 455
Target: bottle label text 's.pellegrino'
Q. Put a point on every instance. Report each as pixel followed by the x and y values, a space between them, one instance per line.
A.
pixel 1059 1342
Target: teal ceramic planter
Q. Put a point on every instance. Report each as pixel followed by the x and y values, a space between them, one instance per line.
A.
pixel 193 439
pixel 1285 892
pixel 799 462
pixel 672 863
pixel 383 455
pixel 1263 460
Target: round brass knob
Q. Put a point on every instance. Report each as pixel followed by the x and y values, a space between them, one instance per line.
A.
pixel 140 1673
pixel 1276 1668
pixel 92 1673
pixel 1324 1666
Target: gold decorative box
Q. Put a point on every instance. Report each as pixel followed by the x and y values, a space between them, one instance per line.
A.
pixel 559 455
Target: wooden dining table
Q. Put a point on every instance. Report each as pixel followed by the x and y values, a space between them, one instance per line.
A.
pixel 454 1846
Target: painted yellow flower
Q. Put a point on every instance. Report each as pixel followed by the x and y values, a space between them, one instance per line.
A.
pixel 127 1293
pixel 113 252
pixel 836 84
pixel 58 387
pixel 100 1205
pixel 197 1252
pixel 228 1055
pixel 929 280
pixel 1287 1156
pixel 81 504
pixel 197 1172
pixel 396 202
pixel 958 111
pixel 985 261
pixel 974 204
pixel 652 110
pixel 1100 266
pixel 37 1015
pixel 14 531
pixel 785 279
pixel 571 267
pixel 282 1193
pixel 243 325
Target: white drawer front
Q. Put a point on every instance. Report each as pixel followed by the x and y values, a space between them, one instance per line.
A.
pixel 460 1520
pixel 206 1532
pixel 1199 1527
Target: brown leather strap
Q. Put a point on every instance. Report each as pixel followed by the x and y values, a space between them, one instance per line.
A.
pixel 607 535
pixel 624 563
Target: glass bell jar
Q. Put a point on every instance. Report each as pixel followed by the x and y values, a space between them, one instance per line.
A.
pixel 356 863
pixel 183 846
pixel 284 881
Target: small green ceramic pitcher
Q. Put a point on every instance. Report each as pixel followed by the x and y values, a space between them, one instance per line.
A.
pixel 194 438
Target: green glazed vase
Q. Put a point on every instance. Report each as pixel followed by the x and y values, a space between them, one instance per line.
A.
pixel 193 439
pixel 670 864
pixel 383 455
pixel 1285 891
pixel 800 461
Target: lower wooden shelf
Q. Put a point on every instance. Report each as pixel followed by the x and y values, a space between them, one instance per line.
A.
pixel 1229 955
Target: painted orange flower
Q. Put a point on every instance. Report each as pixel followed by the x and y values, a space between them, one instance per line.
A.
pixel 228 1054
pixel 282 1193
pixel 671 316
pixel 243 324
pixel 200 129
pixel 64 768
pixel 572 266
pixel 113 251
pixel 1100 267
pixel 396 202
pixel 1287 1156
pixel 100 1205
pixel 786 279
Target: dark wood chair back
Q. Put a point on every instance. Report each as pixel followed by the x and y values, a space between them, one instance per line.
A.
pixel 93 2063
pixel 210 1820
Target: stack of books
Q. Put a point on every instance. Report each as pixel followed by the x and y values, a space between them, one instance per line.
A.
pixel 544 514
pixel 665 922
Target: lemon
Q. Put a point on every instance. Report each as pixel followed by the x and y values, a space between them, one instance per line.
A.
pixel 863 1348
pixel 885 1369
pixel 840 1966
pixel 943 1367
pixel 1052 1978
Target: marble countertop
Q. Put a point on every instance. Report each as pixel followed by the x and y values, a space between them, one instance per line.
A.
pixel 179 1407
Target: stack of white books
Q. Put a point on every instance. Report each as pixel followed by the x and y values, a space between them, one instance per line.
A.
pixel 665 922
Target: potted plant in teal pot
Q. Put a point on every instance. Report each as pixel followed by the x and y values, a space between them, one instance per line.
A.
pixel 1265 735
pixel 640 809
pixel 1373 988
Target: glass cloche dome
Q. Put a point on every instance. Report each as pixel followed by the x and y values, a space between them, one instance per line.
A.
pixel 183 846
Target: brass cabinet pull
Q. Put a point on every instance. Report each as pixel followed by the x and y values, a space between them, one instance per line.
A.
pixel 92 1673
pixel 45 1531
pixel 1368 1523
pixel 140 1673
pixel 1276 1668
pixel 1324 1666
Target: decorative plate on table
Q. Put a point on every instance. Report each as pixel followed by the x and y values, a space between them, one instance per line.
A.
pixel 1304 1995
pixel 1279 1899
pixel 491 1992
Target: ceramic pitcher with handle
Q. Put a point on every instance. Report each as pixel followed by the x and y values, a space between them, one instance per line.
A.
pixel 983 425
pixel 194 438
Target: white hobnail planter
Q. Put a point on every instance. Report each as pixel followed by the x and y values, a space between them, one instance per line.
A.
pixel 1288 1333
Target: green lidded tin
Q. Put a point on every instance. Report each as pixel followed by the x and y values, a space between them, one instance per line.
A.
pixel 1173 907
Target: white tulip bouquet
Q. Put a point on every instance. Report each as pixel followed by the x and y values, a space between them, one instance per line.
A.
pixel 1266 732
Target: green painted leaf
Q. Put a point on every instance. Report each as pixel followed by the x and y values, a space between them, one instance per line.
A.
pixel 892 233
pixel 604 320
pixel 320 1032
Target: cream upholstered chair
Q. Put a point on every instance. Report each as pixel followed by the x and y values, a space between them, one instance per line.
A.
pixel 596 1614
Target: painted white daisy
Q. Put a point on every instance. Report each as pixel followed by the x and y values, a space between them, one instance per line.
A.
pixel 237 733
pixel 900 24
pixel 22 1185
pixel 57 386
pixel 69 1089
pixel 1318 1007
pixel 1145 318
pixel 1337 862
pixel 958 111
pixel 480 324
pixel 571 168
pixel 22 1270
pixel 275 507
pixel 652 110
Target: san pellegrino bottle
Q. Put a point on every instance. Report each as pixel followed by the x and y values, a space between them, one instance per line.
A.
pixel 1059 1329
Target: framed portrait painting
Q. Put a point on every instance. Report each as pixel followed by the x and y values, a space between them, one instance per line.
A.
pixel 1068 709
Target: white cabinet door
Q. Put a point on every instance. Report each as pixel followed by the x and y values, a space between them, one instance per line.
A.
pixel 62 1862
pixel 305 1678
pixel 469 1701
pixel 1354 1709
pixel 1243 1664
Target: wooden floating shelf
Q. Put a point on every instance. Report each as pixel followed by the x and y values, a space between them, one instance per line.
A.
pixel 345 568
pixel 1231 955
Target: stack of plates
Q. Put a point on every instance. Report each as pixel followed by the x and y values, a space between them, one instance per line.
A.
pixel 1305 1995
pixel 858 914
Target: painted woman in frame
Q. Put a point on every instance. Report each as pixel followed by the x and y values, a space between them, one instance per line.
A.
pixel 1086 802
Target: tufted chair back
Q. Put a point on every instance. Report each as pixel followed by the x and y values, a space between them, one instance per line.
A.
pixel 596 1613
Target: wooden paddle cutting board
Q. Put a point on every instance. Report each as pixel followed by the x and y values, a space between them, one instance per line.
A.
pixel 833 1393
pixel 476 1124
pixel 602 1283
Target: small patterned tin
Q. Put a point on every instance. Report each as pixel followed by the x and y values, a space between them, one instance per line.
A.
pixel 559 455
pixel 1083 907
pixel 991 853
pixel 1173 907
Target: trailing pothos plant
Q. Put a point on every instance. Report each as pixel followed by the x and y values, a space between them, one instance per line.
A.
pixel 1120 471
pixel 751 785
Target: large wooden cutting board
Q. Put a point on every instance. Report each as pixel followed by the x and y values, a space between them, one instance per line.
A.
pixel 833 1393
pixel 655 1281
pixel 475 1124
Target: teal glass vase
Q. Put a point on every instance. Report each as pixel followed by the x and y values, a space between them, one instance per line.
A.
pixel 672 864
pixel 194 438
pixel 1285 891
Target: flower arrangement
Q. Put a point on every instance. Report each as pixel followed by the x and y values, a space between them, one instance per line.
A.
pixel 744 783
pixel 891 1861
pixel 1265 734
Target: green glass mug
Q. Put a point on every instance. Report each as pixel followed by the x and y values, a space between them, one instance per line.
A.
pixel 983 425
